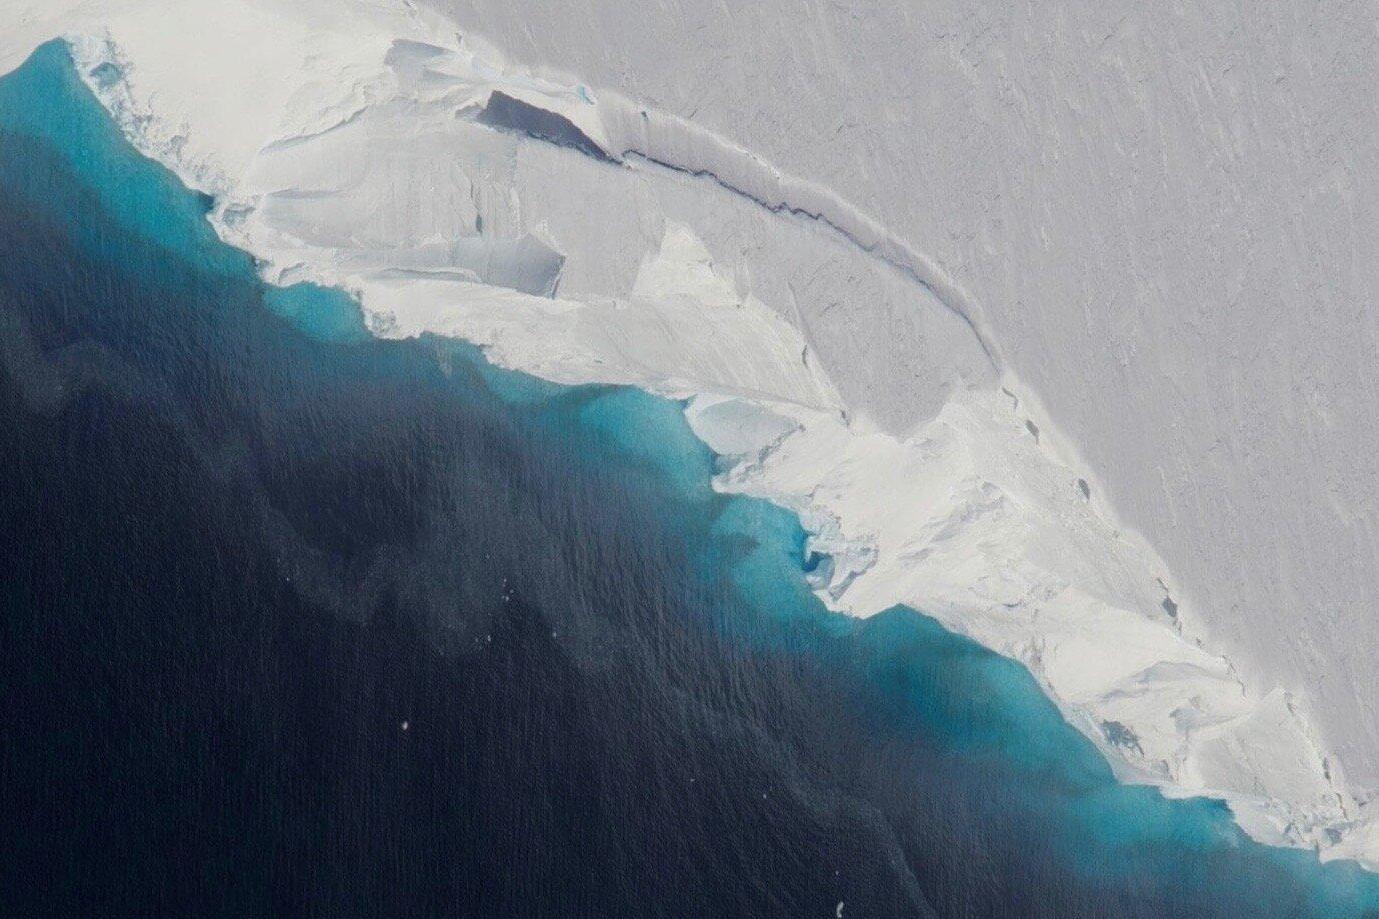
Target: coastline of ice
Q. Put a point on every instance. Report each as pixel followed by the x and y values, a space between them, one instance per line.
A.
pixel 693 292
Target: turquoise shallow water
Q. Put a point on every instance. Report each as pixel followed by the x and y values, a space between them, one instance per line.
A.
pixel 248 542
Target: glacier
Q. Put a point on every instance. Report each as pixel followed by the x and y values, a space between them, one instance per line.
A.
pixel 582 227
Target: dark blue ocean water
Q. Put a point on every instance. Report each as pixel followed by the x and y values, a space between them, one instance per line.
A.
pixel 296 621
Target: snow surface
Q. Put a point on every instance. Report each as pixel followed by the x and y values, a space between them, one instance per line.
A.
pixel 725 212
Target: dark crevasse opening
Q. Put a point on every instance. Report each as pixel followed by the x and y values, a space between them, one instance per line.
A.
pixel 298 621
pixel 512 114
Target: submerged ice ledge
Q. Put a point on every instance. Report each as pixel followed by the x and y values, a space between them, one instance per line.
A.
pixel 358 154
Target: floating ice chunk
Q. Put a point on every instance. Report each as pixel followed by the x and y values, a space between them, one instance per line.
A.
pixel 736 427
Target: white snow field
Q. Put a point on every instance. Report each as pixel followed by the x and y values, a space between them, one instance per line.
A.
pixel 1053 321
